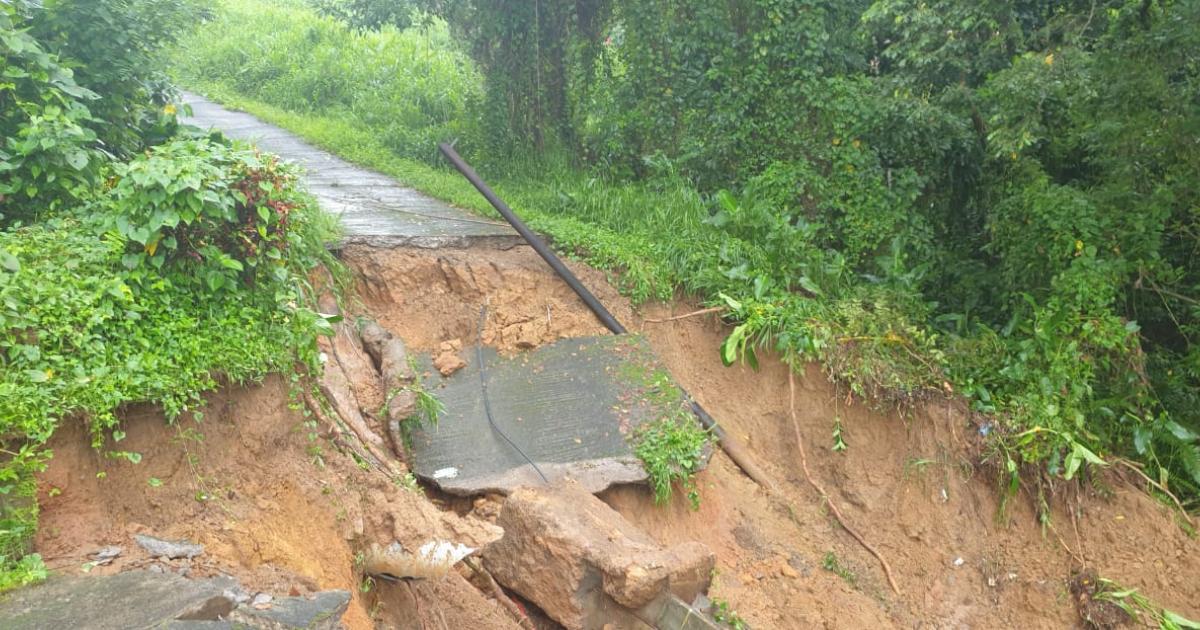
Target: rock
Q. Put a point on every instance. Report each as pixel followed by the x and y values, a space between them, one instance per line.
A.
pixel 448 363
pixel 388 353
pixel 261 601
pixel 322 611
pixel 583 563
pixel 236 594
pixel 167 548
pixel 106 555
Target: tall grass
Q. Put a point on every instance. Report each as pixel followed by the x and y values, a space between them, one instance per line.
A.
pixel 413 88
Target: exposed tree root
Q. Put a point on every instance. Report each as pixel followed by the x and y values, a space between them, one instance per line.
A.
pixel 499 594
pixel 837 514
pixel 703 311
pixel 1131 466
pixel 341 429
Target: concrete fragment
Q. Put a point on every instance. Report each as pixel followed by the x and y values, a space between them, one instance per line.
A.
pixel 106 555
pixel 579 560
pixel 168 549
pixel 322 611
pixel 136 599
pixel 570 406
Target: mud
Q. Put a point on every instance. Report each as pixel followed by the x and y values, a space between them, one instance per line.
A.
pixel 286 513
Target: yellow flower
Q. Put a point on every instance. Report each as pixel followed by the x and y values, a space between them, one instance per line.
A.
pixel 837 141
pixel 169 109
pixel 1078 246
pixel 1050 59
pixel 856 144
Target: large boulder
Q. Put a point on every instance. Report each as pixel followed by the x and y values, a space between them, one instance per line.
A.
pixel 584 564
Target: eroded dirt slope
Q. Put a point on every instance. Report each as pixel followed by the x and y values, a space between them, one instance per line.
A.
pixel 288 514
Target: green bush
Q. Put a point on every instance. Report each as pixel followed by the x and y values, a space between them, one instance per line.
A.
pixel 122 305
pixel 114 48
pixel 47 157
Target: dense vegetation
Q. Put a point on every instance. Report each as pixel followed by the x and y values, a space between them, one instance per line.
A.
pixel 996 199
pixel 139 262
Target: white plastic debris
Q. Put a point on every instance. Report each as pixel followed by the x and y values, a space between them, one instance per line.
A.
pixel 433 560
pixel 445 473
pixel 958 562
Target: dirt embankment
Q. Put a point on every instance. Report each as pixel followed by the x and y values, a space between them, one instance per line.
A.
pixel 289 514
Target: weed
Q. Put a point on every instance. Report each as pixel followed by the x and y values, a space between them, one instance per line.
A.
pixel 832 564
pixel 1104 603
pixel 839 444
pixel 426 407
pixel 409 482
pixel 672 449
pixel 722 612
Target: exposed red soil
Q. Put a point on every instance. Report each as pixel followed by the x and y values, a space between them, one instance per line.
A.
pixel 912 485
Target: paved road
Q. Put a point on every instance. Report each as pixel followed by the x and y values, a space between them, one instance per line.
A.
pixel 375 209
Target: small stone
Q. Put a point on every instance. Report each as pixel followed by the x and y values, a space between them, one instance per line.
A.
pixel 236 595
pixel 106 555
pixel 261 601
pixel 157 568
pixel 788 572
pixel 448 363
pixel 168 549
pixel 958 562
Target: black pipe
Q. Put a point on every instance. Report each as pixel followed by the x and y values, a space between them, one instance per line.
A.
pixel 534 241
pixel 707 421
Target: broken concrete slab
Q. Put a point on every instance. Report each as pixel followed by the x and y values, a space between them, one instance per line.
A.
pixel 136 599
pixel 571 406
pixel 142 599
pixel 583 564
pixel 323 611
pixel 375 210
pixel 171 549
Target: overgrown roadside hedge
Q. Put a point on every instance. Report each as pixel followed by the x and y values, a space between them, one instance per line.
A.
pixel 139 262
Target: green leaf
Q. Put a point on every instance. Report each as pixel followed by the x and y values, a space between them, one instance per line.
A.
pixel 1141 439
pixel 732 303
pixel 1181 432
pixel 730 346
pixel 78 160
pixel 808 285
pixel 9 262
pixel 1179 620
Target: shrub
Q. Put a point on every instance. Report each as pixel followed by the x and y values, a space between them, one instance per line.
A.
pixel 92 319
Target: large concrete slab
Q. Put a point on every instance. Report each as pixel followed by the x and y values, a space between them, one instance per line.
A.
pixel 125 601
pixel 137 600
pixel 570 406
pixel 375 209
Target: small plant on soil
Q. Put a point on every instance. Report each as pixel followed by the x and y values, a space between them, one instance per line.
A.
pixel 1102 604
pixel 832 564
pixel 672 450
pixel 426 411
pixel 839 444
pixel 724 613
